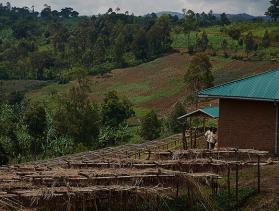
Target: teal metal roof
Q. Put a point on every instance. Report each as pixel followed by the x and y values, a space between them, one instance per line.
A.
pixel 212 112
pixel 264 86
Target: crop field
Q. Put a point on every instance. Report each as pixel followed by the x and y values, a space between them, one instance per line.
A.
pixel 158 84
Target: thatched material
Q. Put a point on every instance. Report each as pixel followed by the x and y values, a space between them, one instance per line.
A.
pixel 113 178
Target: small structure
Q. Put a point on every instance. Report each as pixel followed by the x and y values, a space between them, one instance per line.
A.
pixel 194 133
pixel 212 112
pixel 248 111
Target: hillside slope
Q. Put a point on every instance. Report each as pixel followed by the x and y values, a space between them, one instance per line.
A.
pixel 158 84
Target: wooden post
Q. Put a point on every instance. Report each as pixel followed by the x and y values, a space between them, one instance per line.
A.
pixel 236 184
pixel 259 174
pixel 191 138
pixel 229 185
pixel 177 189
pixel 195 141
pixel 184 141
pixel 190 200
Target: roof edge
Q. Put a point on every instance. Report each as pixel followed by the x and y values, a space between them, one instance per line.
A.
pixel 238 98
pixel 237 80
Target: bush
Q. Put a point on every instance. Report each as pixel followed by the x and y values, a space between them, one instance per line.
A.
pixel 234 34
pixel 150 126
pixel 174 124
pixel 59 147
pixel 110 136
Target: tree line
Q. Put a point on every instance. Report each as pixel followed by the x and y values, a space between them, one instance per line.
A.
pixel 52 45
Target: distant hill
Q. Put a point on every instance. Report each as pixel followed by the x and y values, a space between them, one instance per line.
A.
pixel 232 17
pixel 178 14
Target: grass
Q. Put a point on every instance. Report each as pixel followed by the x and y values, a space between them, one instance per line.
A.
pixel 8 86
pixel 148 86
pixel 215 38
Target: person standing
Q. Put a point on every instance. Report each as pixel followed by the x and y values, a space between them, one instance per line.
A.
pixel 209 138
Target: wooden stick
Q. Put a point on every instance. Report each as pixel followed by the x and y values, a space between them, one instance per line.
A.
pixel 259 175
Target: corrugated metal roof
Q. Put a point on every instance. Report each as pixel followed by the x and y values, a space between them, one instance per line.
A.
pixel 264 86
pixel 212 112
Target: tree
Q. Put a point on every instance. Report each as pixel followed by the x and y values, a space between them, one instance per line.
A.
pixel 273 10
pixel 178 111
pixel 224 46
pixel 66 12
pixel 46 12
pixel 249 43
pixel 199 75
pixel 224 19
pixel 40 62
pixel 234 33
pixel 150 126
pixel 76 117
pixel 204 41
pixel 116 110
pixel 189 25
pixel 158 37
pixel 35 119
pixel 119 49
pixel 140 45
pixel 266 40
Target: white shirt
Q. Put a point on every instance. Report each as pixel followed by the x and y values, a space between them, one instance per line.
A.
pixel 209 136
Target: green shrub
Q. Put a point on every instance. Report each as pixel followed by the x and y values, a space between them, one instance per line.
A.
pixel 150 126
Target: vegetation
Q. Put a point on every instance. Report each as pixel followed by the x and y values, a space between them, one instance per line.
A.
pixel 150 126
pixel 178 111
pixel 75 111
pixel 199 75
pixel 43 46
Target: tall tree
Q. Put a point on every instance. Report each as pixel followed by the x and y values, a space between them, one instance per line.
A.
pixel 189 25
pixel 249 43
pixel 116 110
pixel 224 19
pixel 199 75
pixel 273 10
pixel 140 45
pixel 76 117
pixel 266 40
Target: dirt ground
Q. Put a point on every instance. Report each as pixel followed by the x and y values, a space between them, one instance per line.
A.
pixel 268 199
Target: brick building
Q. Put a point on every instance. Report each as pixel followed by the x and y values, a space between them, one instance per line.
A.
pixel 248 112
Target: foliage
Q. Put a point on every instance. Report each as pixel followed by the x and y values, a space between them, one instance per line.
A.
pixel 249 42
pixel 76 117
pixel 35 120
pixel 111 136
pixel 273 10
pixel 224 19
pixel 46 45
pixel 202 43
pixel 266 40
pixel 178 111
pixel 199 75
pixel 150 126
pixel 234 33
pixel 115 110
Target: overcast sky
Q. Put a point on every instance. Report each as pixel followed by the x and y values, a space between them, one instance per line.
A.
pixel 140 7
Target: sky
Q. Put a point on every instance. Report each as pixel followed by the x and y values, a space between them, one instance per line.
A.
pixel 141 7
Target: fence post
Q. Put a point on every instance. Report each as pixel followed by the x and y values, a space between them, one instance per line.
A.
pixel 229 185
pixel 259 174
pixel 236 184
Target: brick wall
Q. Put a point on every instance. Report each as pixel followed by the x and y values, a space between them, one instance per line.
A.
pixel 247 124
